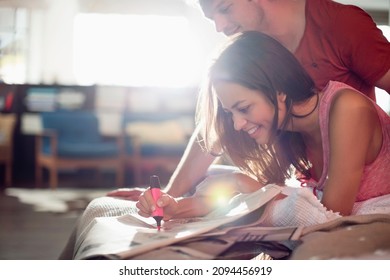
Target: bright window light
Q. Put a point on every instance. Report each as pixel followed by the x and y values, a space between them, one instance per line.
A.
pixel 135 50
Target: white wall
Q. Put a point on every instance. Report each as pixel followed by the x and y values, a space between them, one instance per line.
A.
pixel 368 4
pixel 58 42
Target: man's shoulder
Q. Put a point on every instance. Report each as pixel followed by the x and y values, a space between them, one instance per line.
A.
pixel 333 15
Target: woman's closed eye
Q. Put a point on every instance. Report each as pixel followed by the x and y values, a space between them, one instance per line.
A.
pixel 244 110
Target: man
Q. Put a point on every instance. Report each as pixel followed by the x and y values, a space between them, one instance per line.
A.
pixel 331 40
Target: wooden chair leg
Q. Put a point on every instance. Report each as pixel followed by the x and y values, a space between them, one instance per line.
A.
pixel 38 176
pixel 8 174
pixel 53 178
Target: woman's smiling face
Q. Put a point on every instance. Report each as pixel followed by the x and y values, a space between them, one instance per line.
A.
pixel 249 109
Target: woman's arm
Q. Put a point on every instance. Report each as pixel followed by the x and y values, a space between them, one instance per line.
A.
pixel 355 139
pixel 213 192
pixel 191 169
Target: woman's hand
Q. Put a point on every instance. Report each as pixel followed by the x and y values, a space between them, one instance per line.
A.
pixel 146 205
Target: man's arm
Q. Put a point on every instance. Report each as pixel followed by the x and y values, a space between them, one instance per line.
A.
pixel 191 169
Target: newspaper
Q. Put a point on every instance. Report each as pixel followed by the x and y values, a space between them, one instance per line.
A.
pixel 131 236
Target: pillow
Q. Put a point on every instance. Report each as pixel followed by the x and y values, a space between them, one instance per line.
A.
pixel 166 132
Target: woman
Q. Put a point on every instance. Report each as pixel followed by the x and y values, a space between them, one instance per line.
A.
pixel 262 110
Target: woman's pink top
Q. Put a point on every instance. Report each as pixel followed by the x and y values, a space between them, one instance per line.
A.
pixel 376 176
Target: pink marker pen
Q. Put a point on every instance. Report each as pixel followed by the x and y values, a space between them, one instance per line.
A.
pixel 156 193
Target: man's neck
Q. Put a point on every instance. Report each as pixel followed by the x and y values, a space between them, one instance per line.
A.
pixel 291 32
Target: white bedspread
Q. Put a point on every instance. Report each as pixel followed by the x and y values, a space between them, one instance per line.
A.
pixel 302 208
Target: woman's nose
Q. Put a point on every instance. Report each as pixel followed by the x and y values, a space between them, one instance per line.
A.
pixel 239 122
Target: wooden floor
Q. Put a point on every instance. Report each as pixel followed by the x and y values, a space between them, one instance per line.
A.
pixel 29 235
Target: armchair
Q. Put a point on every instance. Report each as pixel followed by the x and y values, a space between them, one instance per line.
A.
pixel 155 140
pixel 72 140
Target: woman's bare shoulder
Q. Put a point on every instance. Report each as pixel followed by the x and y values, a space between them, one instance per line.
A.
pixel 349 100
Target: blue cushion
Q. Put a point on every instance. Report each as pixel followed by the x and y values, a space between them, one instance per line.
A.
pixel 77 127
pixel 160 150
pixel 78 135
pixel 150 117
pixel 71 149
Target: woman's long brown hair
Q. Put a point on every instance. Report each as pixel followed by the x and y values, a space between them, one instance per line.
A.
pixel 258 62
